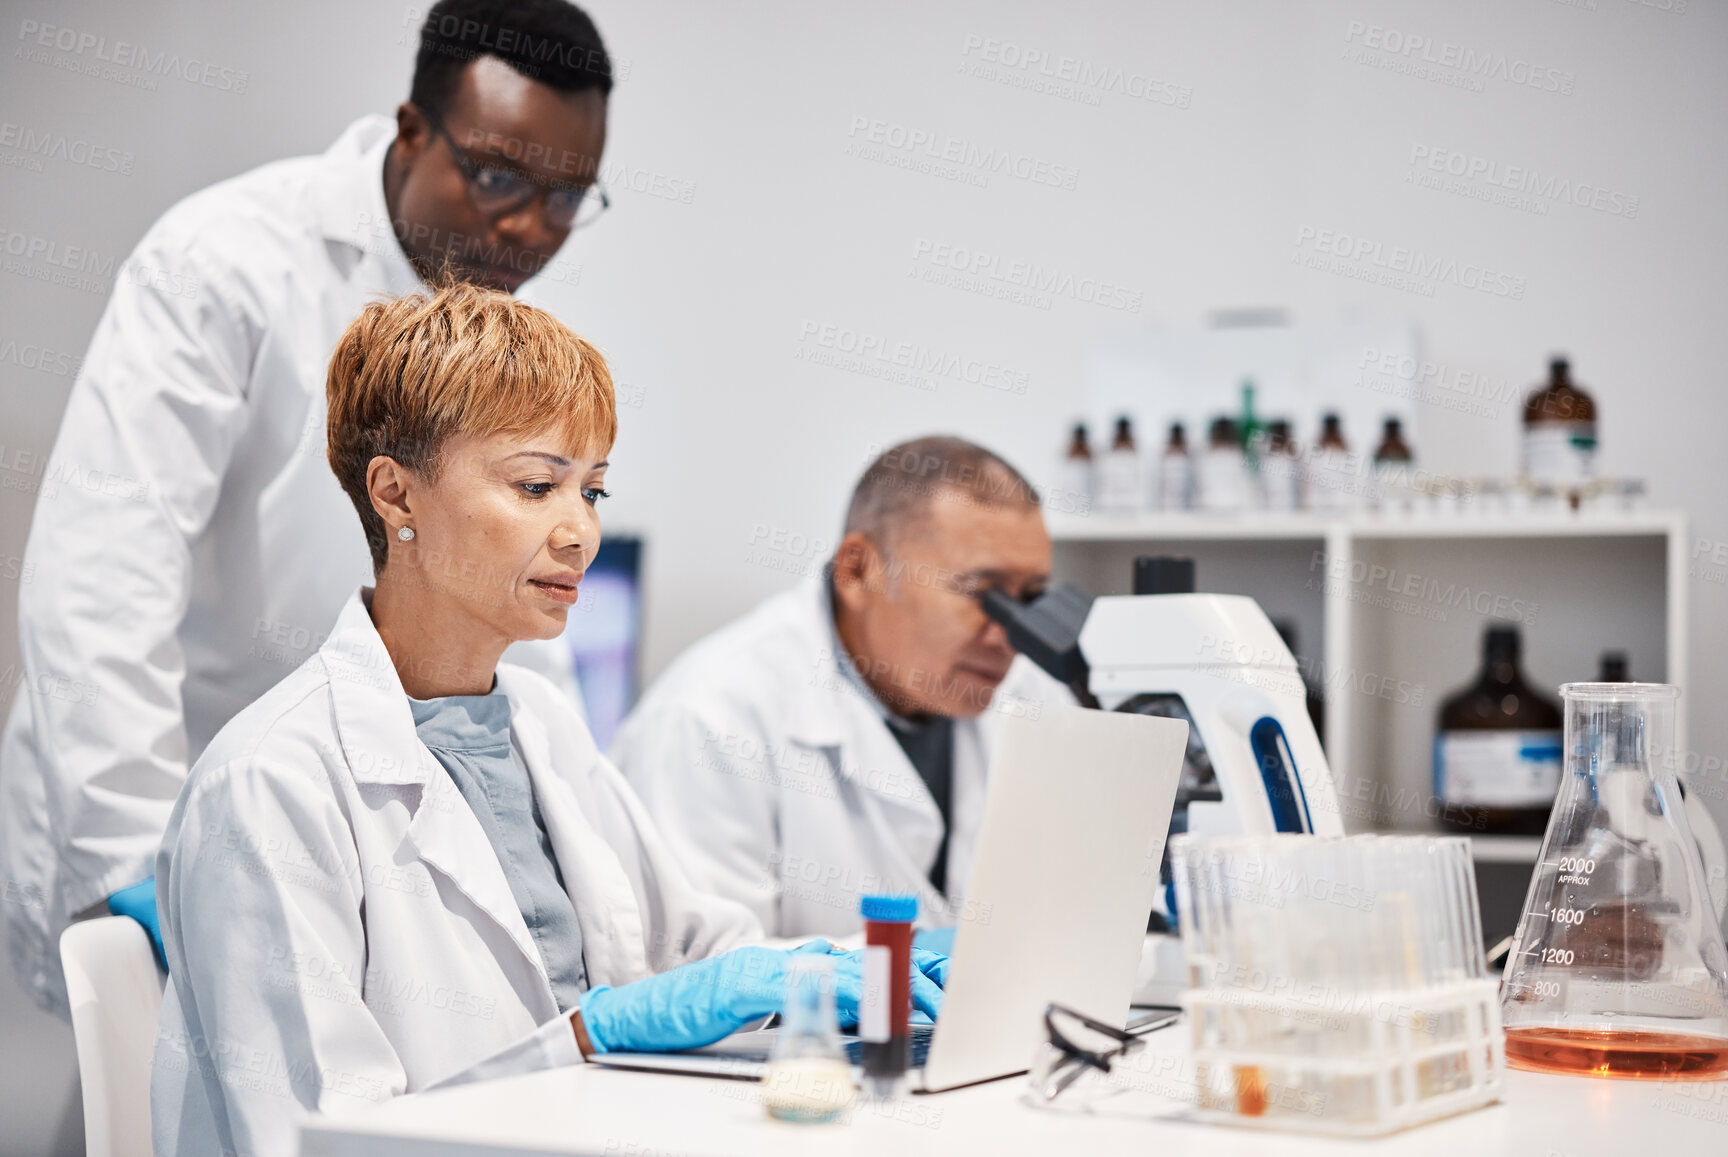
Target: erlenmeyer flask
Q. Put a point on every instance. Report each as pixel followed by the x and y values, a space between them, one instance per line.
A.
pixel 1618 968
pixel 808 1079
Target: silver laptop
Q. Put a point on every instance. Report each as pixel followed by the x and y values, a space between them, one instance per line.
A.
pixel 1062 885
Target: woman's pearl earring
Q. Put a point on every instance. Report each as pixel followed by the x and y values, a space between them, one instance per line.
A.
pixel 406 534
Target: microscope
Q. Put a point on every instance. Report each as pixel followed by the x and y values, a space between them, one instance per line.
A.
pixel 1254 764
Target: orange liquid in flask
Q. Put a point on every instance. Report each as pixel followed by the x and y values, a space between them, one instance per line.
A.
pixel 1658 1056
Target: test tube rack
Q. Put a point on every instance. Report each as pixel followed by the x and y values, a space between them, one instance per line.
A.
pixel 1337 984
pixel 1393 1059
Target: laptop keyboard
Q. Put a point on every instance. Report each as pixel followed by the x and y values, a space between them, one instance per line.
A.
pixel 918 1047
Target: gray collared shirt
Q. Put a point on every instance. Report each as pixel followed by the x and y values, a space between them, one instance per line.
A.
pixel 470 736
pixel 928 742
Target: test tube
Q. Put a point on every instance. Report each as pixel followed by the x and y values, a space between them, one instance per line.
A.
pixel 886 1008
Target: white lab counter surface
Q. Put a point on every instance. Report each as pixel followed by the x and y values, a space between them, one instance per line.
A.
pixel 591 1110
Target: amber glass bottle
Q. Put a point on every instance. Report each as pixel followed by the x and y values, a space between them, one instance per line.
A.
pixel 1497 753
pixel 1175 473
pixel 1559 430
pixel 1078 480
pixel 1332 481
pixel 1332 433
pixel 1393 447
pixel 1221 474
pixel 1119 473
pixel 1280 471
pixel 1079 450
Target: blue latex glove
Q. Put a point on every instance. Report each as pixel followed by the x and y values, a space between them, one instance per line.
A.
pixel 926 986
pixel 697 1004
pixel 934 967
pixel 936 939
pixel 139 902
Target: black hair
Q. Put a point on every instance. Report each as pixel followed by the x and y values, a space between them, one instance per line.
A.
pixel 549 41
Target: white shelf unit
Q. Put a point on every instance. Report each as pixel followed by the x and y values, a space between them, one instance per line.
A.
pixel 1391 611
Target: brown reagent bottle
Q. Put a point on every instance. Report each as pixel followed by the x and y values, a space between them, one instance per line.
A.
pixel 1560 432
pixel 1497 752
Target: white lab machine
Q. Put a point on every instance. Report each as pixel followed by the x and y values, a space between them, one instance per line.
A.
pixel 1254 764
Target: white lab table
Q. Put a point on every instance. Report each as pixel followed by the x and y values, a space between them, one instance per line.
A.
pixel 598 1112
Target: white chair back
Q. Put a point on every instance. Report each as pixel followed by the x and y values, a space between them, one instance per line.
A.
pixel 115 988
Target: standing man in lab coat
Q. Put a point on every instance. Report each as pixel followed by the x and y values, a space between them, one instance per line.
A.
pixel 835 740
pixel 197 548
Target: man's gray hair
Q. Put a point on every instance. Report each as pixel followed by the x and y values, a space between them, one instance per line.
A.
pixel 898 487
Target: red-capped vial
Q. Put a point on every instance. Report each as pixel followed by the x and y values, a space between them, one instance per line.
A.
pixel 885 1011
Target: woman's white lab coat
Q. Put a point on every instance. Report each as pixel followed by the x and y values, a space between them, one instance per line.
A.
pixel 770 767
pixel 339 930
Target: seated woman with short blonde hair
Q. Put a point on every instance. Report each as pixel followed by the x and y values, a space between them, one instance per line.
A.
pixel 406 864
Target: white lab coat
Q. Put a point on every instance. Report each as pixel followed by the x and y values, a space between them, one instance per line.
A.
pixel 771 769
pixel 339 929
pixel 191 546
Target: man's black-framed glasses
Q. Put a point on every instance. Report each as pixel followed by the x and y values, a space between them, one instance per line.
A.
pixel 497 191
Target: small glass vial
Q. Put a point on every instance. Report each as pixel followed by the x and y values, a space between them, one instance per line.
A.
pixel 1119 489
pixel 1392 464
pixel 1078 475
pixel 1222 473
pixel 1176 472
pixel 1332 482
pixel 1280 471
pixel 808 1080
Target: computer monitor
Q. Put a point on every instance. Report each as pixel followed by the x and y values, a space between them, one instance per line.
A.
pixel 604 632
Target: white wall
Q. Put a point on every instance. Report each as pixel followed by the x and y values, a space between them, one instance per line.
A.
pixel 702 305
